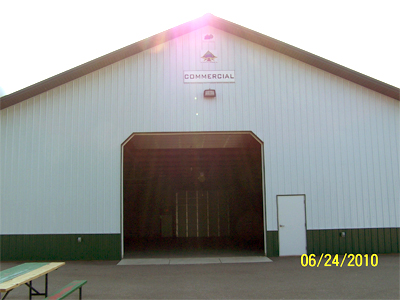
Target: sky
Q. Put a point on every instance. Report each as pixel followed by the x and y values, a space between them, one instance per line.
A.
pixel 40 39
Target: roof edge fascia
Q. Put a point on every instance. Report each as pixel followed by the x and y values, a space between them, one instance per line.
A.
pixel 208 19
pixel 308 58
pixel 101 62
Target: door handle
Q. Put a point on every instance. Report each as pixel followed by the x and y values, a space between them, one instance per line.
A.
pixel 281 225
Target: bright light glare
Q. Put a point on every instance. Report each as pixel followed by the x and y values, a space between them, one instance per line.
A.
pixel 43 38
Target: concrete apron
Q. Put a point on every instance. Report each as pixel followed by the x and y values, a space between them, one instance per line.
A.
pixel 194 260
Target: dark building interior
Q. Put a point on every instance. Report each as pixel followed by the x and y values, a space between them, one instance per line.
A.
pixel 195 194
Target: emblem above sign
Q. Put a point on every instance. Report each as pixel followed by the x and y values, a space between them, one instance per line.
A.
pixel 209 37
pixel 208 56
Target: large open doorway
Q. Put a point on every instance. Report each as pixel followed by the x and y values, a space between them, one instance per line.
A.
pixel 188 194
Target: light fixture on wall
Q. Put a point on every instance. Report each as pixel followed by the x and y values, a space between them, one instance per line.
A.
pixel 210 93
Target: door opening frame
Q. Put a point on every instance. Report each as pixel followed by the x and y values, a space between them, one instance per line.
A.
pixel 193 133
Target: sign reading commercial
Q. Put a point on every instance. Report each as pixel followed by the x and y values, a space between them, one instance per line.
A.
pixel 208 76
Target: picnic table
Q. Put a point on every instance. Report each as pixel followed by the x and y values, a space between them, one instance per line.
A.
pixel 24 274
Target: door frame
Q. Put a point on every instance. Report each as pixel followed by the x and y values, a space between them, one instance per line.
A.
pixel 305 216
pixel 262 161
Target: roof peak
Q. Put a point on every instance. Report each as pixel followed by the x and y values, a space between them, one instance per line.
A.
pixel 206 19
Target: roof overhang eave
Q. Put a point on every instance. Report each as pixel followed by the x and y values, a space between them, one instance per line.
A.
pixel 208 19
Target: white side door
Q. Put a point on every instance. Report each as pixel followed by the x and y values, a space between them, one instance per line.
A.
pixel 292 225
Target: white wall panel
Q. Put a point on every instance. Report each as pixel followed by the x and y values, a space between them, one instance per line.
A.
pixel 325 137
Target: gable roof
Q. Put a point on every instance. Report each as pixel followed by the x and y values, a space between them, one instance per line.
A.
pixel 175 32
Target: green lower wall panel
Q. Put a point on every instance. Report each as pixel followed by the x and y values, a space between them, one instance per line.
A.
pixel 362 241
pixel 108 246
pixel 49 247
pixel 272 243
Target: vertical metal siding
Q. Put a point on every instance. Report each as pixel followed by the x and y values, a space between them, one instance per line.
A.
pixel 325 137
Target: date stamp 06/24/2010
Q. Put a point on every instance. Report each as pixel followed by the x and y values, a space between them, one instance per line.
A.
pixel 348 260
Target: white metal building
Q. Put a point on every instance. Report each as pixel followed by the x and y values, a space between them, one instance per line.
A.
pixel 294 154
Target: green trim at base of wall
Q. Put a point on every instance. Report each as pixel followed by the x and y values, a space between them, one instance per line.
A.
pixel 362 241
pixel 272 243
pixel 49 247
pixel 356 241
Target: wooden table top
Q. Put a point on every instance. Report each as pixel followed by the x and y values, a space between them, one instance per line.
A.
pixel 21 274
